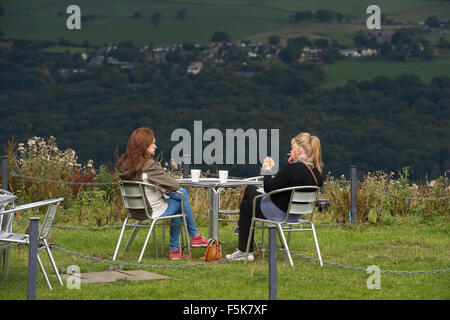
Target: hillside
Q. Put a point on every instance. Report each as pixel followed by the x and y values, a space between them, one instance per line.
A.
pixel 112 21
pixel 91 96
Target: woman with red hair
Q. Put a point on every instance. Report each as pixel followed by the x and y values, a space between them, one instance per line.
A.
pixel 137 164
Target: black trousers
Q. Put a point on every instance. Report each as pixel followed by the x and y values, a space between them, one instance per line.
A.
pixel 245 216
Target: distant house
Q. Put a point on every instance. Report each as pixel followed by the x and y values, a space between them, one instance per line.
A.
pixel 159 57
pixel 253 55
pixel 369 52
pixel 310 55
pixel 195 68
pixel 349 53
pixel 112 61
pixel 142 48
pixel 97 60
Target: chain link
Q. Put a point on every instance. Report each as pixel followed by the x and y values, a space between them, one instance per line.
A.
pixel 137 265
pixel 333 264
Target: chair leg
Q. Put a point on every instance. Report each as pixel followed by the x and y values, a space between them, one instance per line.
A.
pixel 163 241
pixel 120 239
pixel 53 262
pixel 283 241
pixel 289 243
pixel 262 241
pixel 43 271
pixel 146 240
pixel 186 234
pixel 5 255
pixel 252 227
pixel 155 245
pixel 132 236
pixel 317 244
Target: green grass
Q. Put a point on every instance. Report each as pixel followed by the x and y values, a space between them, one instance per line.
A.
pixel 340 72
pixel 46 20
pixel 411 244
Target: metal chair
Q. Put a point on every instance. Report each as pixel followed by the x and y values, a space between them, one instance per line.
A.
pixel 135 201
pixel 7 235
pixel 302 202
pixel 234 212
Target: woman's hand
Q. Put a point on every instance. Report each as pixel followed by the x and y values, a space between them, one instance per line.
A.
pixel 290 160
pixel 268 164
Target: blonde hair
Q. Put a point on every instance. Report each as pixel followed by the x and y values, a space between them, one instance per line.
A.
pixel 311 146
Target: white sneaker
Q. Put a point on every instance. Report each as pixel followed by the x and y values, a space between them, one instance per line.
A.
pixel 240 255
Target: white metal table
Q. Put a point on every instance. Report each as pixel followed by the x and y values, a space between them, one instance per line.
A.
pixel 215 187
pixel 6 199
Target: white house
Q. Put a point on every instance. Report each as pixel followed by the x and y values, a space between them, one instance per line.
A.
pixel 349 53
pixel 195 67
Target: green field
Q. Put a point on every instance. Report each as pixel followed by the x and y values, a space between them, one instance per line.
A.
pixel 339 73
pixel 46 19
pixel 411 245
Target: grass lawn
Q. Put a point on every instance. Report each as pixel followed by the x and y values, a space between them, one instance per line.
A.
pixel 411 244
pixel 339 73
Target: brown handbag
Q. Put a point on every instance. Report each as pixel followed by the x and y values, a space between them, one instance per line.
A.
pixel 213 251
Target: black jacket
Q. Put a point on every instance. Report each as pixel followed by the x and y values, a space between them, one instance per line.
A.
pixel 293 175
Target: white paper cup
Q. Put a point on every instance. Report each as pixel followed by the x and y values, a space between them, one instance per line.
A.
pixel 223 176
pixel 195 175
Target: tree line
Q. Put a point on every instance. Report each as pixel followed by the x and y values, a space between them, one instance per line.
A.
pixel 383 124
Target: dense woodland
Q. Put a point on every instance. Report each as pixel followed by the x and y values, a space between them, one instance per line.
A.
pixel 384 124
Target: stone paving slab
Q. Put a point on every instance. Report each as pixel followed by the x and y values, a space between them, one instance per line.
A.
pixel 113 276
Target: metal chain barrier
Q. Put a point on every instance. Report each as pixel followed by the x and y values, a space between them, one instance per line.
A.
pixel 137 265
pixel 402 197
pixel 333 264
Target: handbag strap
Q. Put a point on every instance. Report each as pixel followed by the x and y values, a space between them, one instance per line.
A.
pixel 310 170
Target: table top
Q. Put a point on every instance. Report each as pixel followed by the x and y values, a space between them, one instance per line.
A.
pixel 214 182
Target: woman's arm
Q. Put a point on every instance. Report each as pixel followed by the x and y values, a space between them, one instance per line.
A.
pixel 156 174
pixel 281 180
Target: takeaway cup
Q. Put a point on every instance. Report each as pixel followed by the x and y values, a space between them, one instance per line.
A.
pixel 195 175
pixel 223 176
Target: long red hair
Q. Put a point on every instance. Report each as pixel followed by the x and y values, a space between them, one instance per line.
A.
pixel 136 155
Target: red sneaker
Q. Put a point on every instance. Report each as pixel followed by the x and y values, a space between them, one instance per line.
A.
pixel 177 255
pixel 199 241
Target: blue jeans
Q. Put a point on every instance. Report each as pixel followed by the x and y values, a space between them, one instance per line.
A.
pixel 174 207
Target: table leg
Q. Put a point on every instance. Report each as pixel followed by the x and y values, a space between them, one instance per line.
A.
pixel 214 213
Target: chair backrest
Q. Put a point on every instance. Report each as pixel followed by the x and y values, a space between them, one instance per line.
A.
pixel 48 220
pixel 134 199
pixel 302 202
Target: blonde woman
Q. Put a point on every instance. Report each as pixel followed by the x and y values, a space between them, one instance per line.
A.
pixel 304 169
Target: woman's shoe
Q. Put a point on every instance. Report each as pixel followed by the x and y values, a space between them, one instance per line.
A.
pixel 199 241
pixel 240 255
pixel 177 255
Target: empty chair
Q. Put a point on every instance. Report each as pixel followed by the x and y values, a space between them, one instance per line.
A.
pixel 135 201
pixel 7 235
pixel 302 202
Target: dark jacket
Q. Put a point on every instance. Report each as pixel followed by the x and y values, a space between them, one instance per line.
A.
pixel 295 174
pixel 151 172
